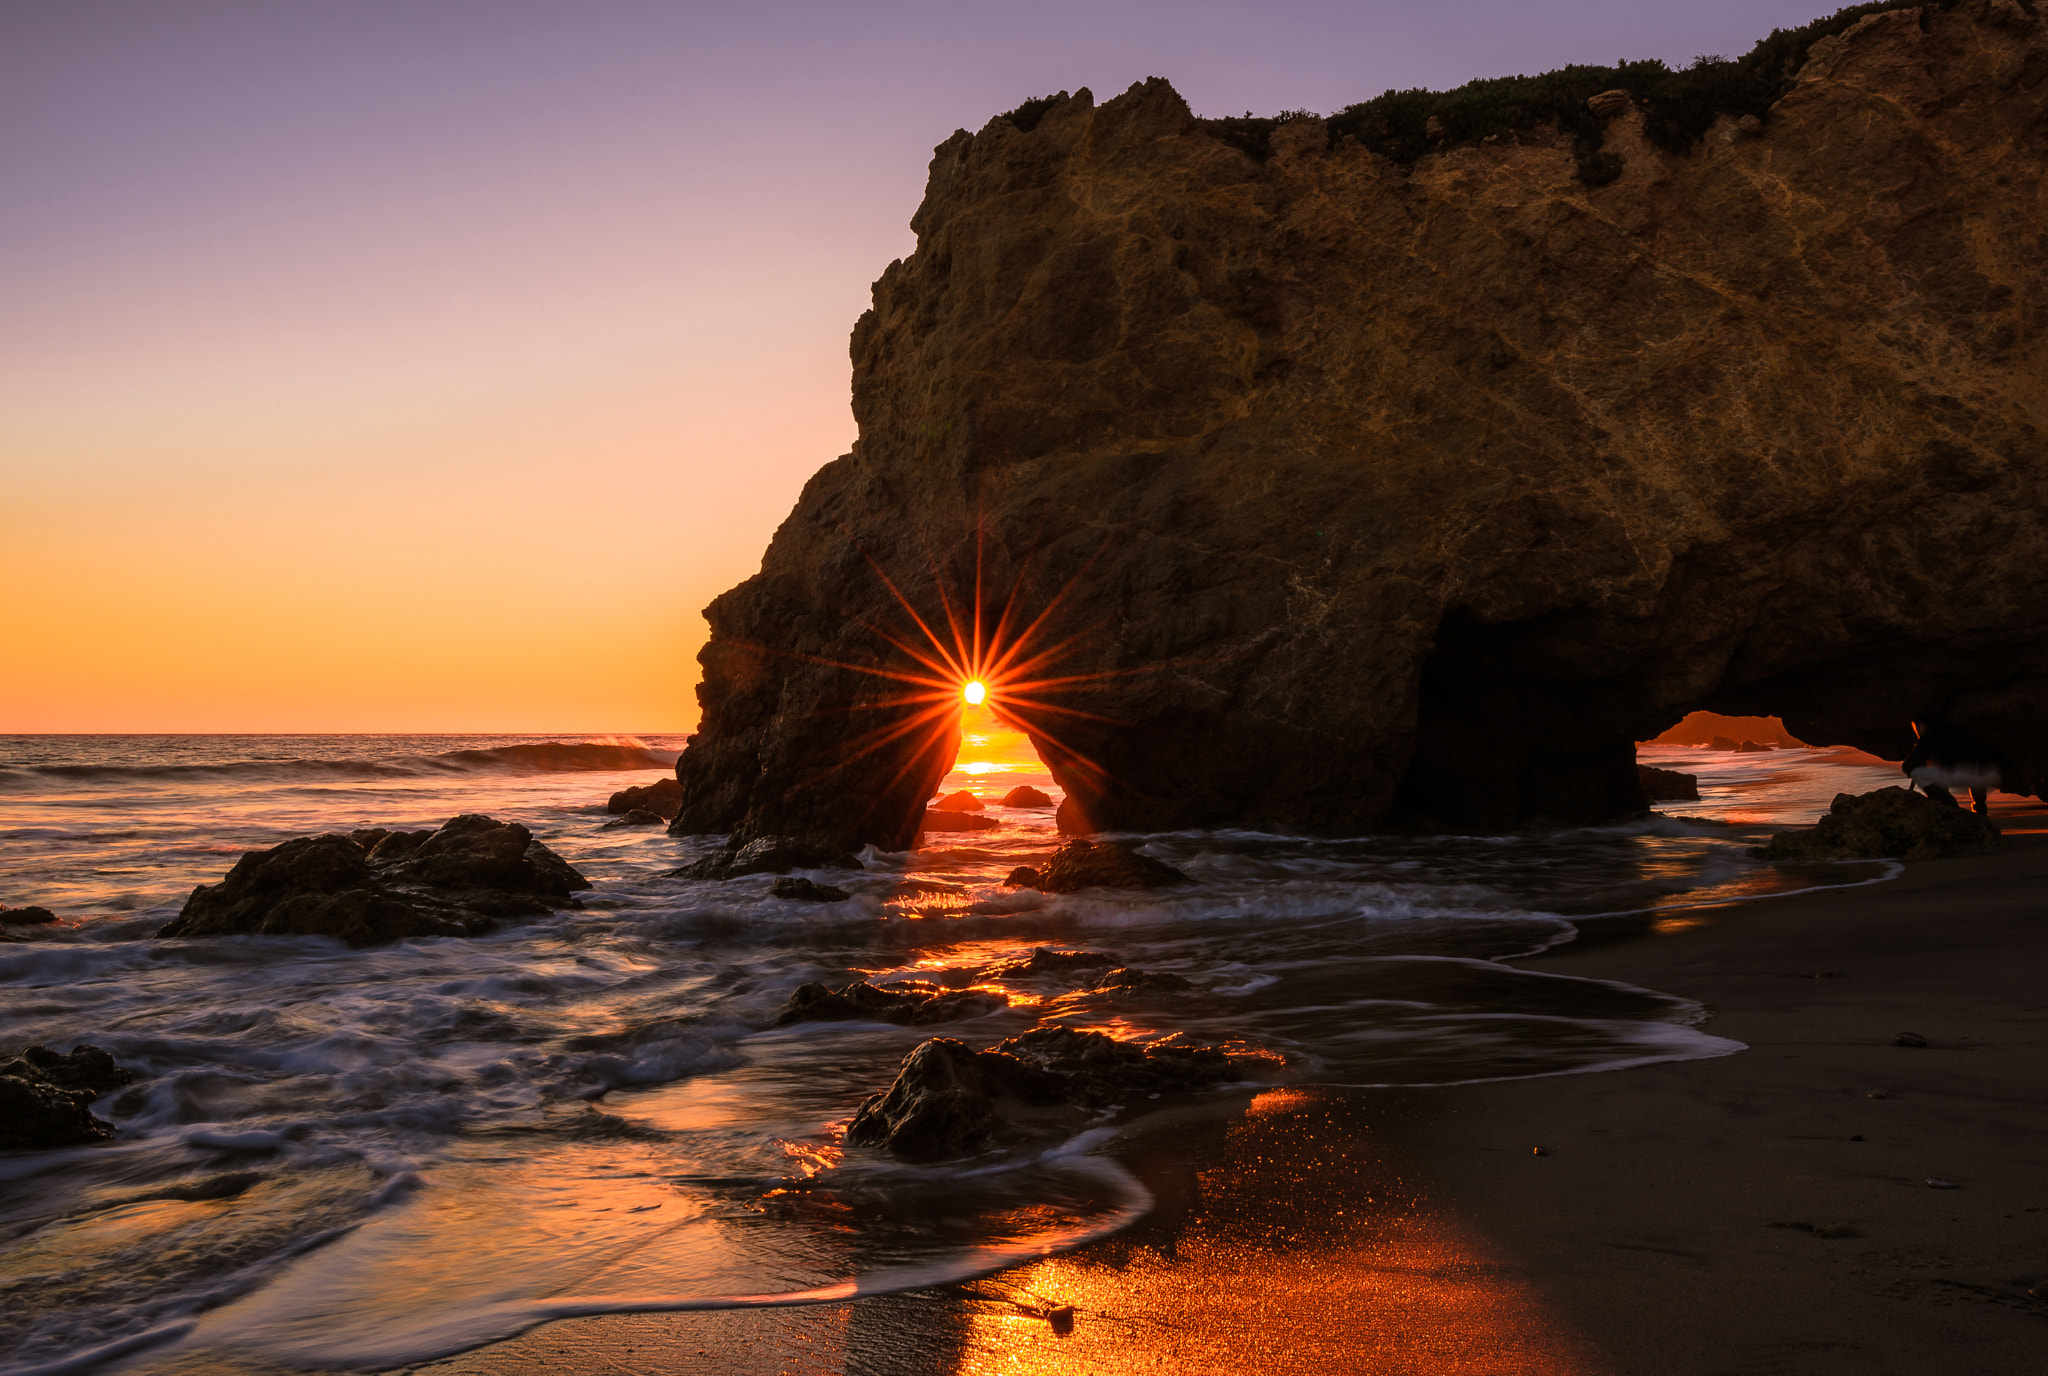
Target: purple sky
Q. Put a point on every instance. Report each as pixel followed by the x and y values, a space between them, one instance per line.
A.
pixel 428 364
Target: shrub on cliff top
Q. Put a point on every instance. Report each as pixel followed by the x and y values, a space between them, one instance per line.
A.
pixel 1679 106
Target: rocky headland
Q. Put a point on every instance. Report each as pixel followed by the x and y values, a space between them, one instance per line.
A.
pixel 1401 464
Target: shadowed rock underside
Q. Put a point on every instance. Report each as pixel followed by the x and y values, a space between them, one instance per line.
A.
pixel 1343 490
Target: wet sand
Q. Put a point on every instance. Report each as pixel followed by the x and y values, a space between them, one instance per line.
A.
pixel 1759 1213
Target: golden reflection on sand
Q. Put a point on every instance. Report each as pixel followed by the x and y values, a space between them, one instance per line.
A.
pixel 1303 1249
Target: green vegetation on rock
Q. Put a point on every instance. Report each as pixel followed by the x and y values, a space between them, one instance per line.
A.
pixel 1679 106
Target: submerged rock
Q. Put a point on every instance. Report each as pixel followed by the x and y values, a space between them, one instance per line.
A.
pixel 1097 865
pixel 27 916
pixel 1024 795
pixel 944 819
pixel 1045 961
pixel 962 801
pixel 798 887
pixel 459 879
pixel 1129 981
pixel 1668 785
pixel 45 1097
pixel 637 817
pixel 1892 823
pixel 948 1099
pixel 769 855
pixel 663 798
pixel 906 1003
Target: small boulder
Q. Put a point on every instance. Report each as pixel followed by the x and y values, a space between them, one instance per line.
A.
pixel 945 819
pixel 963 801
pixel 948 1099
pixel 663 798
pixel 637 817
pixel 1045 961
pixel 1101 865
pixel 1023 877
pixel 27 917
pixel 768 855
pixel 1724 743
pixel 1608 104
pixel 909 1003
pixel 1128 981
pixel 45 1098
pixel 1668 785
pixel 1752 748
pixel 1895 823
pixel 1024 795
pixel 797 887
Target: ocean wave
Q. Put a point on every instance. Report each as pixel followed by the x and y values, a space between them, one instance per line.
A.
pixel 536 757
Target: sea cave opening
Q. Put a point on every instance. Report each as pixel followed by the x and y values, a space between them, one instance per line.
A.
pixel 995 776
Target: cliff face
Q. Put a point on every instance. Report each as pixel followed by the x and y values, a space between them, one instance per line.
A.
pixel 1343 489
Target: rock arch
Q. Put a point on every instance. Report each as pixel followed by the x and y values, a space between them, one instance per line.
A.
pixel 1433 487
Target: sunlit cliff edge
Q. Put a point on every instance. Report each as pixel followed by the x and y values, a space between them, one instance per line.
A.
pixel 1333 490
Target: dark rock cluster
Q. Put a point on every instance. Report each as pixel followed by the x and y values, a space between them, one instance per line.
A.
pixel 948 1098
pixel 29 916
pixel 1096 865
pixel 45 1098
pixel 1892 823
pixel 372 886
pixel 1024 795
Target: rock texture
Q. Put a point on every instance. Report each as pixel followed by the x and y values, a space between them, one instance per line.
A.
pixel 45 1098
pixel 1336 488
pixel 374 886
pixel 1892 823
pixel 28 916
pixel 768 855
pixel 1668 785
pixel 663 797
pixel 948 1099
pixel 908 1003
pixel 1081 865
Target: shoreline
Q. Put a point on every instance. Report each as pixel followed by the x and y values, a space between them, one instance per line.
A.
pixel 1711 1216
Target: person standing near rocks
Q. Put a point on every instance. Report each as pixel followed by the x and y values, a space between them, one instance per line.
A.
pixel 1947 757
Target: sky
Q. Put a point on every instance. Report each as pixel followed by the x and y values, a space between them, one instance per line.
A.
pixel 428 365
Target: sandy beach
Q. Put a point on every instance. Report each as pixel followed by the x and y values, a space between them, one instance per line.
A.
pixel 1770 1211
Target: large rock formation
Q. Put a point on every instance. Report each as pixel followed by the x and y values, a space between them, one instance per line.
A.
pixel 1332 487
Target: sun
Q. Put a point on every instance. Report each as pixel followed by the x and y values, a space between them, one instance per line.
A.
pixel 975 692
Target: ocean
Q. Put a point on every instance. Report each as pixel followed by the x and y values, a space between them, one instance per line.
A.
pixel 362 1158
